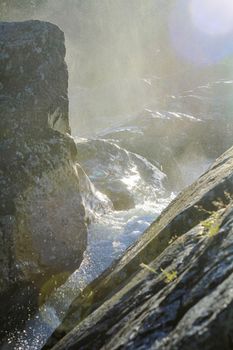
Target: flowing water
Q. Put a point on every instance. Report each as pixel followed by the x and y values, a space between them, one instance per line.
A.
pixel 126 57
pixel 109 234
pixel 106 164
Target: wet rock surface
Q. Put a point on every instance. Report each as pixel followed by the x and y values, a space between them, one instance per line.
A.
pixel 181 145
pixel 42 218
pixel 173 288
pixel 124 177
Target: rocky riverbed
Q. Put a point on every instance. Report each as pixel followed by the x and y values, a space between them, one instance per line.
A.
pixel 90 246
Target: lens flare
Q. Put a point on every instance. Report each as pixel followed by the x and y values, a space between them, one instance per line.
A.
pixel 213 17
pixel 201 31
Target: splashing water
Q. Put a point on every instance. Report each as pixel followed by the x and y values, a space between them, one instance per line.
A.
pixel 110 234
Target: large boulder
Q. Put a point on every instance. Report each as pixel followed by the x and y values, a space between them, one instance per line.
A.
pixel 173 288
pixel 42 217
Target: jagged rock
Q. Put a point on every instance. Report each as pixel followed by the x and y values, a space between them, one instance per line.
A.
pixel 42 217
pixel 184 146
pixel 126 178
pixel 181 298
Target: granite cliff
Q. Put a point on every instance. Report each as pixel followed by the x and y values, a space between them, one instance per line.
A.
pixel 42 217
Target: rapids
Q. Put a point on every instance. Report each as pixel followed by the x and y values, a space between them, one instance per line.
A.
pixel 110 231
pixel 124 164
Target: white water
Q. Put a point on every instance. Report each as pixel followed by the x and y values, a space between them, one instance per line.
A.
pixel 109 236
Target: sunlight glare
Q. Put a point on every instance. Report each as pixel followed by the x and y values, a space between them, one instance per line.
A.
pixel 212 17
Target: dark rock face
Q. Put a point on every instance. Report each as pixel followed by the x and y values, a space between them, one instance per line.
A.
pixel 173 288
pixel 181 144
pixel 42 218
pixel 34 77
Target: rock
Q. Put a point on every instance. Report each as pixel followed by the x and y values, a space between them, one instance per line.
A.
pixel 42 218
pixel 184 146
pixel 173 288
pixel 123 176
pixel 34 78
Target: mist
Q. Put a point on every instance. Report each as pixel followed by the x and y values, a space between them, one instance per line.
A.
pixel 128 59
pixel 121 59
pixel 150 93
pixel 112 53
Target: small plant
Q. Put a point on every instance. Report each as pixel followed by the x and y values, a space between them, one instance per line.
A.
pixel 211 225
pixel 145 266
pixel 169 276
pixel 173 239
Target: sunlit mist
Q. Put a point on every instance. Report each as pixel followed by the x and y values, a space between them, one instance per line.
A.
pixel 213 17
pixel 202 31
pixel 145 88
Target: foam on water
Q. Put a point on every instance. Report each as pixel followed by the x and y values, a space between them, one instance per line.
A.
pixel 110 232
pixel 109 236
